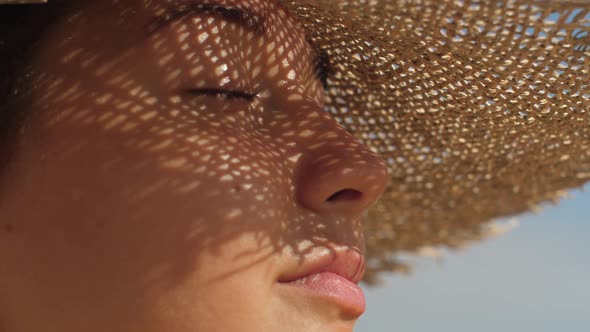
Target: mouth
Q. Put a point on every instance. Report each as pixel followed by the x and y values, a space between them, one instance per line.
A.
pixel 331 277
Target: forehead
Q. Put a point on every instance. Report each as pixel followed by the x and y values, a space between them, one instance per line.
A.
pixel 125 8
pixel 120 29
pixel 263 7
pixel 135 16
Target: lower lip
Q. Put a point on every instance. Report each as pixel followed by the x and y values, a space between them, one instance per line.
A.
pixel 339 290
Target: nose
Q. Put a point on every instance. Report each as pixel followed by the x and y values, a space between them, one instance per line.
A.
pixel 337 175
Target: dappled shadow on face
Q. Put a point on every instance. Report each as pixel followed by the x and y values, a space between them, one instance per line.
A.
pixel 195 142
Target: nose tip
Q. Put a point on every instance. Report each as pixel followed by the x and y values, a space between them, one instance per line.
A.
pixel 343 177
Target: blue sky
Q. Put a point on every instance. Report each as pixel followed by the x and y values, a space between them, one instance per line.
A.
pixel 534 278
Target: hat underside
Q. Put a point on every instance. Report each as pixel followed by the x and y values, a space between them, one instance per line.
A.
pixel 480 109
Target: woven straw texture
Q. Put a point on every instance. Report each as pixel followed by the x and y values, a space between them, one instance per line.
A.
pixel 479 107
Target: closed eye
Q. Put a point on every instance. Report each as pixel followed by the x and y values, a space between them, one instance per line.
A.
pixel 227 94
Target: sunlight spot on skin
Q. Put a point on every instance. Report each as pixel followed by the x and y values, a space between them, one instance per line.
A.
pixel 304 123
pixel 159 42
pixel 162 145
pixel 104 99
pixel 307 133
pixel 116 121
pixel 102 70
pixel 148 115
pixel 226 178
pixel 200 169
pixel 189 187
pixel 116 80
pixel 197 70
pixel 68 93
pixel 166 131
pixel 347 171
pixel 148 191
pixel 233 214
pixel 166 59
pixel 223 167
pixel 295 158
pixel 260 197
pixel 136 109
pixel 135 91
pixel 105 116
pixel 89 62
pixel 295 97
pixel 292 75
pixel 332 162
pixel 202 37
pixel 219 70
pixel 72 55
pixel 151 101
pixel 329 135
pixel 203 142
pixel 317 146
pixel 273 71
pixel 270 47
pixel 256 71
pixel 175 163
pixel 128 127
pixel 173 75
pixel 182 37
pixel 224 81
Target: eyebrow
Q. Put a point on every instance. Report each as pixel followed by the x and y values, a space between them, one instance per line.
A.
pixel 245 17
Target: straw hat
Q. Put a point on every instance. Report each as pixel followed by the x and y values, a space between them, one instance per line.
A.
pixel 480 108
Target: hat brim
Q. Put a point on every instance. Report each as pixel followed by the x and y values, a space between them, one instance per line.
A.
pixel 479 108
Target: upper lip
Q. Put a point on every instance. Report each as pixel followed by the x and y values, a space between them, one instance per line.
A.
pixel 347 262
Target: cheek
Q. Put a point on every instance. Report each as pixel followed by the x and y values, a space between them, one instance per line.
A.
pixel 144 211
pixel 158 194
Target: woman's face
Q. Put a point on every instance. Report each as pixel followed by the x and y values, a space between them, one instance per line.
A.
pixel 177 172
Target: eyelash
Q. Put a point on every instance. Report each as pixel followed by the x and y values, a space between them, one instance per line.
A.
pixel 227 94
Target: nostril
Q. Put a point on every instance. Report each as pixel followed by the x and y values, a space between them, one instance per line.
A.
pixel 345 195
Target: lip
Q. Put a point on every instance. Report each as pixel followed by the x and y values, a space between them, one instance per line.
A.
pixel 332 277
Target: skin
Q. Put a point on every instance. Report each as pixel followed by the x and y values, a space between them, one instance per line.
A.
pixel 134 205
